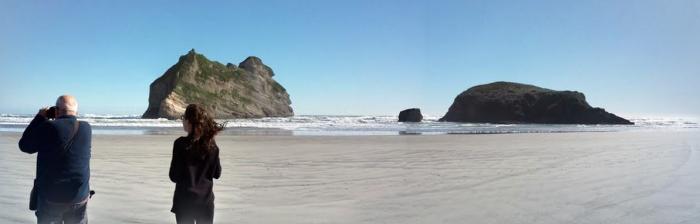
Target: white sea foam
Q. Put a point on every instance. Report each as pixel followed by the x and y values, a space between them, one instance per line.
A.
pixel 348 125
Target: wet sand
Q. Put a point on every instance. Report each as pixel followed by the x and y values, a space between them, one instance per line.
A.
pixel 616 177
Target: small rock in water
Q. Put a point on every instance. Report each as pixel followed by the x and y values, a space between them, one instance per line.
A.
pixel 410 115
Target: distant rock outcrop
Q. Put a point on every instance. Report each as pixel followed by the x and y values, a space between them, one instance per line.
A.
pixel 507 102
pixel 227 91
pixel 410 115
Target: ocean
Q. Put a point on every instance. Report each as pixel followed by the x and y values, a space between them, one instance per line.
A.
pixel 345 125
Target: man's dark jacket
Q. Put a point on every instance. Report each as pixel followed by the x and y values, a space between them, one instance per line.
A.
pixel 61 176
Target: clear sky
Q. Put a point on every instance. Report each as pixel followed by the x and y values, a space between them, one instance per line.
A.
pixel 357 57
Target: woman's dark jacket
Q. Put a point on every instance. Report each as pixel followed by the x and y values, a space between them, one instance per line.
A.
pixel 192 169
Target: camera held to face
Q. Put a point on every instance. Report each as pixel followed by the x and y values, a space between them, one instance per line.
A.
pixel 51 112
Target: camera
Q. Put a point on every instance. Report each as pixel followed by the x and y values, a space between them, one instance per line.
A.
pixel 51 112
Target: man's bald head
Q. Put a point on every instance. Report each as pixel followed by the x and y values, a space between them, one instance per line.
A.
pixel 67 105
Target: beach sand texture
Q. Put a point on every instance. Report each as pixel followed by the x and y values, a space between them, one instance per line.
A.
pixel 613 177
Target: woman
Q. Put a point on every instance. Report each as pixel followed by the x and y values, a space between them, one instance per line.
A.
pixel 194 164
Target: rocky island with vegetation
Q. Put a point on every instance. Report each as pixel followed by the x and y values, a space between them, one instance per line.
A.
pixel 246 90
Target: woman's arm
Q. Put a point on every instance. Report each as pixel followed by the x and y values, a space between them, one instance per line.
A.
pixel 176 163
pixel 217 165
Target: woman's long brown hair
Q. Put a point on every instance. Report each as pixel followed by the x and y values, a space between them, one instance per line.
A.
pixel 204 128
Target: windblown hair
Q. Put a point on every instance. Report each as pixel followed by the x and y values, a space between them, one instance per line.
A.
pixel 204 128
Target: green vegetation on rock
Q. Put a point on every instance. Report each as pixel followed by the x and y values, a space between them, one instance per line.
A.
pixel 227 91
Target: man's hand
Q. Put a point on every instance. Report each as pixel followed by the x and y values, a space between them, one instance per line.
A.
pixel 43 111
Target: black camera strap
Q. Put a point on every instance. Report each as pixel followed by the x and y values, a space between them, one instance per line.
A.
pixel 69 144
pixel 66 146
pixel 33 196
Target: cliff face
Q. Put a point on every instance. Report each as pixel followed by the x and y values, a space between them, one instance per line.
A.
pixel 507 102
pixel 227 91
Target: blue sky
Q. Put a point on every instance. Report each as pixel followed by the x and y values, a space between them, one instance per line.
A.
pixel 357 57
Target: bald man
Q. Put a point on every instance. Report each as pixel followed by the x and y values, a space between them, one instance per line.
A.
pixel 62 184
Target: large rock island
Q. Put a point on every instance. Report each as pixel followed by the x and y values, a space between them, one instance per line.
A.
pixel 507 102
pixel 227 91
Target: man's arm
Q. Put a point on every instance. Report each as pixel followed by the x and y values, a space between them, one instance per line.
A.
pixel 31 138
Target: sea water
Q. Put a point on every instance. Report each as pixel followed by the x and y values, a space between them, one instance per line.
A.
pixel 346 125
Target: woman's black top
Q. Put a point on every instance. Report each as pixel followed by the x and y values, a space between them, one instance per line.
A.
pixel 192 169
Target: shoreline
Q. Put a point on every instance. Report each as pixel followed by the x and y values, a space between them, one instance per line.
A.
pixel 350 125
pixel 256 131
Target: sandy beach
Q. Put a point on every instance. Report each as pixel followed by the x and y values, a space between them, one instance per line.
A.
pixel 612 177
